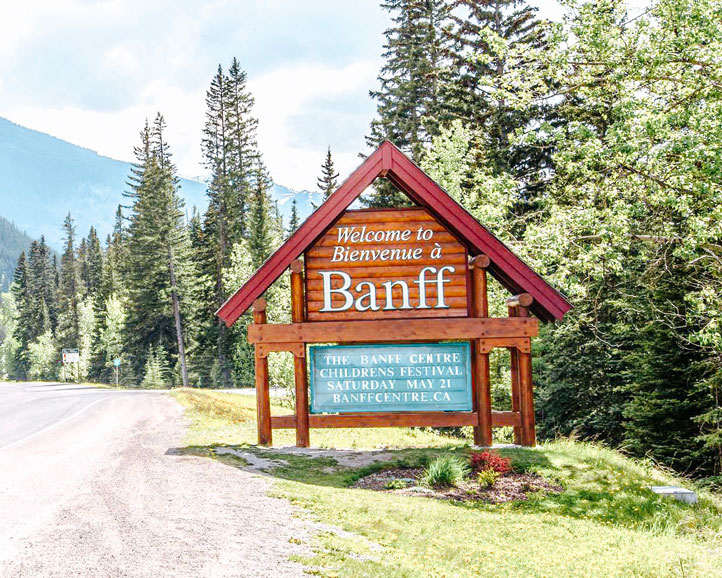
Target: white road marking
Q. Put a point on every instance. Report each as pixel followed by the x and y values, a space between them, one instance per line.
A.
pixel 55 424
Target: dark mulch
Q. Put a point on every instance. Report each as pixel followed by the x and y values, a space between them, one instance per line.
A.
pixel 508 488
pixel 378 480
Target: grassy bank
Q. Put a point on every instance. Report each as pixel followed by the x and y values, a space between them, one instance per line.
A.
pixel 605 523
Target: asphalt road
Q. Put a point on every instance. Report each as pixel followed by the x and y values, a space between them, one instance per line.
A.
pixel 92 483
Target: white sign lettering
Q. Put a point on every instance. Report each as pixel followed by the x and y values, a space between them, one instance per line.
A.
pixel 366 298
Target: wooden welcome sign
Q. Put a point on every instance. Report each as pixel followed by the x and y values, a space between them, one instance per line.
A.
pixel 386 264
pixel 403 294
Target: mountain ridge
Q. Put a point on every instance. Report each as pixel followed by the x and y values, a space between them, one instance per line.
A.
pixel 13 241
pixel 44 178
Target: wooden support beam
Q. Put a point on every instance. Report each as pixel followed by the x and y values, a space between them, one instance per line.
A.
pixel 526 401
pixel 505 418
pixel 425 419
pixel 263 399
pixel 390 330
pixel 299 361
pixel 522 384
pixel 514 368
pixel 421 419
pixel 521 343
pixel 514 312
pixel 480 358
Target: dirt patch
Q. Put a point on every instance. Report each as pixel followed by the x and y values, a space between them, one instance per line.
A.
pixel 344 458
pixel 508 488
pixel 380 480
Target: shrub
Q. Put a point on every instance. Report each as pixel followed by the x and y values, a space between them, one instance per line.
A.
pixel 487 477
pixel 488 460
pixel 444 472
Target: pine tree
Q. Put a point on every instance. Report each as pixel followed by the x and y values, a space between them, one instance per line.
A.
pixel 156 374
pixel 69 291
pixel 231 154
pixel 157 252
pixel 261 224
pixel 93 265
pixel 410 110
pixel 113 263
pixel 293 221
pixel 24 322
pixel 659 417
pixel 328 181
pixel 41 288
pixel 243 149
pixel 409 107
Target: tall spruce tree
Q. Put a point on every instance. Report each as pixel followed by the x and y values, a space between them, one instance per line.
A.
pixel 157 253
pixel 328 181
pixel 409 110
pixel 293 221
pixel 42 289
pixel 69 291
pixel 261 223
pixel 231 154
pixel 92 270
pixel 24 317
pixel 113 262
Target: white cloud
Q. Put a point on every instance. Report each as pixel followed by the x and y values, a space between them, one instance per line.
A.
pixel 288 91
pixel 115 133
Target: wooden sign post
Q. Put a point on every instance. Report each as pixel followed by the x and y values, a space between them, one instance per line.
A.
pixel 403 292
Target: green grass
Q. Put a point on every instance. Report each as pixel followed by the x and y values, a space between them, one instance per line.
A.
pixel 208 429
pixel 605 523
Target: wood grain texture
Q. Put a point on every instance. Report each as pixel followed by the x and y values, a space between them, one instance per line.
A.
pixel 263 399
pixel 526 401
pixel 392 330
pixel 299 361
pixel 376 247
pixel 480 358
pixel 425 419
pixel 387 160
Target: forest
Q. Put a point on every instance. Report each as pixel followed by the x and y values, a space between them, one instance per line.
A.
pixel 591 147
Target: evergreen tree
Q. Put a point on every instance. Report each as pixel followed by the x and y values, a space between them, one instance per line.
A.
pixel 114 260
pixel 68 320
pixel 41 289
pixel 156 374
pixel 93 263
pixel 294 221
pixel 409 107
pixel 24 322
pixel 261 224
pixel 410 110
pixel 328 181
pixel 242 146
pixel 157 253
pixel 231 154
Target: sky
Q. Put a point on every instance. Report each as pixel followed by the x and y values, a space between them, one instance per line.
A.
pixel 91 71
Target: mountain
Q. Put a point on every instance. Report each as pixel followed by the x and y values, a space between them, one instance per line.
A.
pixel 283 196
pixel 12 242
pixel 42 178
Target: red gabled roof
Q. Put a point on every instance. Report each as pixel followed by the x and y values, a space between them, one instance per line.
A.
pixel 389 161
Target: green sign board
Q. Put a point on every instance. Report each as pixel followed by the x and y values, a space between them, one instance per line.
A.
pixel 389 377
